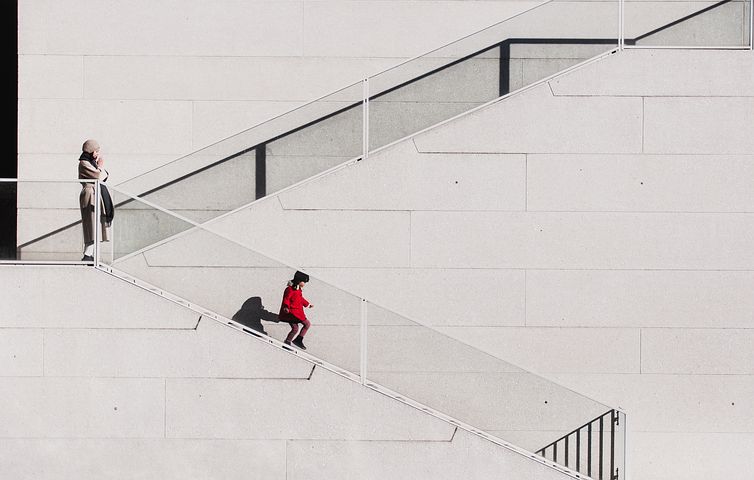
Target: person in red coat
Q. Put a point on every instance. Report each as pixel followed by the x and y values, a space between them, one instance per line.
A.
pixel 292 309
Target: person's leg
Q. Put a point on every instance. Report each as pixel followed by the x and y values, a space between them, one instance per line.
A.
pixel 305 328
pixel 87 222
pixel 299 341
pixel 292 333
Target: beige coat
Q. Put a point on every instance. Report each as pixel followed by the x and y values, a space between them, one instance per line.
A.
pixel 86 202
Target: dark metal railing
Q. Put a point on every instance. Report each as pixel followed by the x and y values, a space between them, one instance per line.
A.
pixel 600 433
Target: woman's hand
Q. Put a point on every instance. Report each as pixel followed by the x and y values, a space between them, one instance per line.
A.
pixel 285 310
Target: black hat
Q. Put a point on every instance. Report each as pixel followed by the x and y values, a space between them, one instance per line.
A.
pixel 300 277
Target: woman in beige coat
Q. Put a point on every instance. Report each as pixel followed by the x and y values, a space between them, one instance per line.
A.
pixel 90 168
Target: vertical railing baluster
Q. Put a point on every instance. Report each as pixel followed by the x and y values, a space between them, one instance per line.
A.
pixel 365 119
pixel 589 450
pixel 566 450
pixel 602 428
pixel 555 452
pixel 363 358
pixel 98 225
pixel 578 450
pixel 612 445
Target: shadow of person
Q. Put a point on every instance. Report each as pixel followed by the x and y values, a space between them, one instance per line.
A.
pixel 252 313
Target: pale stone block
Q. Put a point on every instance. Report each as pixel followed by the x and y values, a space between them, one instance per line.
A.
pixel 582 240
pixel 611 350
pixel 82 408
pixel 334 28
pixel 216 120
pixel 524 50
pixel 473 80
pixel 286 170
pixel 466 456
pixel 225 289
pixel 343 236
pixel 699 125
pixel 59 166
pixel 536 69
pixel 21 352
pixel 338 345
pixel 663 73
pixel 168 459
pixel 213 350
pixel 221 188
pixel 265 78
pixel 419 350
pixel 425 182
pixel 692 456
pixel 339 135
pixel 35 72
pixel 123 127
pixel 537 122
pixel 673 403
pixel 661 183
pixel 496 401
pixel 456 297
pixel 48 195
pixel 34 224
pixel 392 121
pixel 146 27
pixel 200 248
pixel 49 166
pixel 60 297
pixel 46 206
pixel 262 409
pixel 639 299
pixel 700 351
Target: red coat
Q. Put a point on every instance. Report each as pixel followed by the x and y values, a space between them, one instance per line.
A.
pixel 294 300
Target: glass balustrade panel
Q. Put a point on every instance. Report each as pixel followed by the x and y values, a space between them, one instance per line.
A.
pixel 533 44
pixel 48 219
pixel 690 23
pixel 223 276
pixel 431 366
pixel 261 160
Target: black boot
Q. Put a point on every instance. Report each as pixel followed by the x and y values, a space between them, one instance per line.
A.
pixel 299 342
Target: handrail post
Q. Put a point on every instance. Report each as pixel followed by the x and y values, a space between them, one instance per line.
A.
pixel 751 25
pixel 621 24
pixel 365 118
pixel 601 447
pixel 97 220
pixel 363 352
pixel 613 419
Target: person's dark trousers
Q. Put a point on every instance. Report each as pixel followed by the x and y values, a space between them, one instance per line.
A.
pixel 294 330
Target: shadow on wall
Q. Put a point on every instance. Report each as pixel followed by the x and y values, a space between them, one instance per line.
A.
pixel 252 313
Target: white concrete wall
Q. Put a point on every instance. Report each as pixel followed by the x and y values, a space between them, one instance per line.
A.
pixel 597 230
pixel 133 390
pixel 138 81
